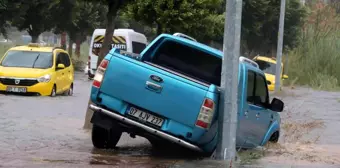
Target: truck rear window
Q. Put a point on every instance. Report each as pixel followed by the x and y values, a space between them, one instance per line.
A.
pixel 189 61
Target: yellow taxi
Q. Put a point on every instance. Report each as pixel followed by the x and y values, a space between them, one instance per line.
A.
pixel 45 71
pixel 268 66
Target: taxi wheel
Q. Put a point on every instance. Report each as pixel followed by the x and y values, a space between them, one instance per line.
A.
pixel 69 92
pixel 54 91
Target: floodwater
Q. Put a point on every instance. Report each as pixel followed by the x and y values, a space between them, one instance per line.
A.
pixel 47 132
pixel 311 126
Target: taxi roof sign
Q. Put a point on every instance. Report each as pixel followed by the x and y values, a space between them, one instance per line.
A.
pixel 33 45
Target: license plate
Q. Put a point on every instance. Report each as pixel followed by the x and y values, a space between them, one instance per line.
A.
pixel 16 89
pixel 146 117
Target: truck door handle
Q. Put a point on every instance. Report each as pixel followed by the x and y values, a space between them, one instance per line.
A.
pixel 153 87
pixel 62 73
pixel 257 115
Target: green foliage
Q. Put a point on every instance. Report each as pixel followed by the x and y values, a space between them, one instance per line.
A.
pixel 78 18
pixel 34 17
pixel 63 14
pixel 197 18
pixel 316 61
pixel 8 9
pixel 260 22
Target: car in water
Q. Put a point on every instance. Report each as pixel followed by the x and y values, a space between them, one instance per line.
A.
pixel 268 66
pixel 33 69
pixel 170 93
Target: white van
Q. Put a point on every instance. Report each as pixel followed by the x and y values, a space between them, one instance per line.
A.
pixel 124 39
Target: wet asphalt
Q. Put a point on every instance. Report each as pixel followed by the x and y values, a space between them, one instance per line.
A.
pixel 47 132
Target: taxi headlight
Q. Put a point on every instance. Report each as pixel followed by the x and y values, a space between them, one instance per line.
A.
pixel 44 79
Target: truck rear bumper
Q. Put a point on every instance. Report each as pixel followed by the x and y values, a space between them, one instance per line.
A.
pixel 146 128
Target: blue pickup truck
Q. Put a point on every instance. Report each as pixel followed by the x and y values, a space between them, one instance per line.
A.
pixel 170 94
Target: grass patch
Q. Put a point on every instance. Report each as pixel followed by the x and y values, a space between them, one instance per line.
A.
pixel 250 156
pixel 316 61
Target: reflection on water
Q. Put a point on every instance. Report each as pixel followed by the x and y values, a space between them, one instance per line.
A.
pixel 142 156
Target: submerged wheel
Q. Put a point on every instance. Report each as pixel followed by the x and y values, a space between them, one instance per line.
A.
pixel 159 144
pixel 275 137
pixel 103 138
pixel 69 92
pixel 54 91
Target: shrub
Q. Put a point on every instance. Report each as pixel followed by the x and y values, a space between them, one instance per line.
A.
pixel 316 61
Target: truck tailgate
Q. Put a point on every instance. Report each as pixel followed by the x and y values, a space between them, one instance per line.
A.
pixel 128 80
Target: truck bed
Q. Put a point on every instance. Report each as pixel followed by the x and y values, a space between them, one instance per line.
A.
pixel 132 81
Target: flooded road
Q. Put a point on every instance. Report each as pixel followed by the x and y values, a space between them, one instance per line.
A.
pixel 311 126
pixel 47 132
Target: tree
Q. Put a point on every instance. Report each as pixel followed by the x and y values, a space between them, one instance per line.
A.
pixel 113 7
pixel 8 9
pixel 35 17
pixel 90 15
pixel 260 22
pixel 336 5
pixel 63 16
pixel 77 18
pixel 191 17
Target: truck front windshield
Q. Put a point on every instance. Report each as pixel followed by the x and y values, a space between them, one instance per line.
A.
pixel 28 59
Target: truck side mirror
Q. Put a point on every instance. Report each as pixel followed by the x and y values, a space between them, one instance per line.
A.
pixel 276 105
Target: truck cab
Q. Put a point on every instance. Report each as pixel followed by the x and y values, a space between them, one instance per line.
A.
pixel 170 94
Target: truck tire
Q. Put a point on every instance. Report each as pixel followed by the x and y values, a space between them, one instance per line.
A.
pixel 275 137
pixel 159 144
pixel 105 139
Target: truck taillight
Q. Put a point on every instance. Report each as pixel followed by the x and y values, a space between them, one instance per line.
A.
pixel 206 114
pixel 98 78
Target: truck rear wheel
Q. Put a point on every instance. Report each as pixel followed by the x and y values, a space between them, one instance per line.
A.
pixel 105 139
pixel 159 144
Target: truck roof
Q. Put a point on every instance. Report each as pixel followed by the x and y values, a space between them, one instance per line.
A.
pixel 206 48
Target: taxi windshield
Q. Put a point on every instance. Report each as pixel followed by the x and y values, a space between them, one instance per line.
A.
pixel 28 59
pixel 266 67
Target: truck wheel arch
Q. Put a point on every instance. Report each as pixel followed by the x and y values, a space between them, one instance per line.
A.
pixel 272 134
pixel 275 137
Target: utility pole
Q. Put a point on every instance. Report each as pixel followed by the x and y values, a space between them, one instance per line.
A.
pixel 279 46
pixel 228 106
